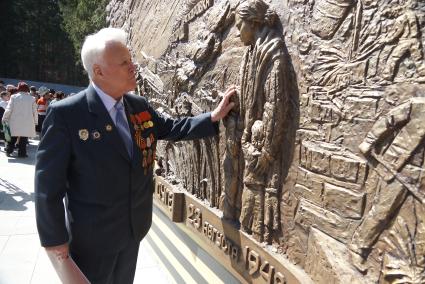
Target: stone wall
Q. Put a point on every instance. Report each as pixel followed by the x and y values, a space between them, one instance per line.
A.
pixel 346 120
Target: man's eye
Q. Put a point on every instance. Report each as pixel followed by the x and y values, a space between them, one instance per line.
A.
pixel 126 63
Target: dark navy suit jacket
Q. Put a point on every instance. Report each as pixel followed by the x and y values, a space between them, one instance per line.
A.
pixel 82 156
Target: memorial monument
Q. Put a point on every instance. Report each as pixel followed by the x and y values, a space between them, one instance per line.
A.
pixel 318 175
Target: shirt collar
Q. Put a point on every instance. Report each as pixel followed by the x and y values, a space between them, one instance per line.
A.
pixel 107 100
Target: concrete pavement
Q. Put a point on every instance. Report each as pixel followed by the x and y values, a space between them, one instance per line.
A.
pixel 22 260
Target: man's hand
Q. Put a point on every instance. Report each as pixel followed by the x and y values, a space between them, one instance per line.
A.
pixel 225 105
pixel 65 267
pixel 59 253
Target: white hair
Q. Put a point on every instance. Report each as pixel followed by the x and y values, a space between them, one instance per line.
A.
pixel 94 46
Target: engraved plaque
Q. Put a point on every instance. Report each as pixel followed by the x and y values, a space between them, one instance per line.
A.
pixel 169 199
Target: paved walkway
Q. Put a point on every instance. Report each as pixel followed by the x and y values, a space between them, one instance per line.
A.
pixel 22 260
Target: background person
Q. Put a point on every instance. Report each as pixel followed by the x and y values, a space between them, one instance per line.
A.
pixel 42 104
pixel 33 92
pixel 21 115
pixel 59 95
pixel 4 100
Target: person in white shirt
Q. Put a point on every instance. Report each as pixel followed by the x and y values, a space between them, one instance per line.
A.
pixel 21 116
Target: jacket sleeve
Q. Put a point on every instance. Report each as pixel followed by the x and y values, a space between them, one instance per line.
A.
pixel 52 159
pixel 186 128
pixel 8 111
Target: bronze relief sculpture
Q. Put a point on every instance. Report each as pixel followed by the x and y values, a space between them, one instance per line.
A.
pixel 263 105
pixel 321 162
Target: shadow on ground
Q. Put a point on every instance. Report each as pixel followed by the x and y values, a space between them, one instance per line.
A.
pixel 30 160
pixel 13 198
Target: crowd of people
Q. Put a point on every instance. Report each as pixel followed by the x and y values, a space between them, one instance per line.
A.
pixel 22 112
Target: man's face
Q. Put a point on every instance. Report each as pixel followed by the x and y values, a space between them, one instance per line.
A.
pixel 117 70
pixel 247 31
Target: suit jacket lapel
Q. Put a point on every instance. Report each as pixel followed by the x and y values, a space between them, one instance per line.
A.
pixel 103 121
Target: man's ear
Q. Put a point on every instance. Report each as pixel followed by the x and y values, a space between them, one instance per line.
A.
pixel 97 71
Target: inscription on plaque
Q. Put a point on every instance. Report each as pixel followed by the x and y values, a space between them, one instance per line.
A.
pixel 253 263
pixel 218 238
pixel 171 200
pixel 195 216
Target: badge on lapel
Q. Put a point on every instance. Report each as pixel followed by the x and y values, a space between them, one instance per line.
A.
pixel 84 134
pixel 95 135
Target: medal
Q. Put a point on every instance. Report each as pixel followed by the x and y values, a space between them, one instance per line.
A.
pixel 150 157
pixel 108 127
pixel 84 134
pixel 96 135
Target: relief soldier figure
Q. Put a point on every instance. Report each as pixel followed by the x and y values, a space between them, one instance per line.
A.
pixel 230 201
pixel 395 148
pixel 263 109
pixel 405 33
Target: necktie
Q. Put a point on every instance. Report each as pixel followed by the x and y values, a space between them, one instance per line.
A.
pixel 122 126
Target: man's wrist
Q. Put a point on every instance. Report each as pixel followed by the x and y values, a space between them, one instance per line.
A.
pixel 60 252
pixel 214 116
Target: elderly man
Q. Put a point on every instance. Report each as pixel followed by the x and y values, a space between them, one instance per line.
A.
pixel 21 115
pixel 100 144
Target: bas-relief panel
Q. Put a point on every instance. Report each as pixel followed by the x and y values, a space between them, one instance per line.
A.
pixel 322 157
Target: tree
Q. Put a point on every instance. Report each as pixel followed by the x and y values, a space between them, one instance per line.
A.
pixel 82 17
pixel 41 39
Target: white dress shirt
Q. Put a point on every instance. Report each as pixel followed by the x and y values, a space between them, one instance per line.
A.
pixel 109 102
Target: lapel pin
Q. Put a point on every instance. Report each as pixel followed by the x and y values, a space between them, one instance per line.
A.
pixel 108 127
pixel 84 134
pixel 96 135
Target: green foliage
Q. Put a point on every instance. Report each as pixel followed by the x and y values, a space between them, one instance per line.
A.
pixel 81 18
pixel 41 39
